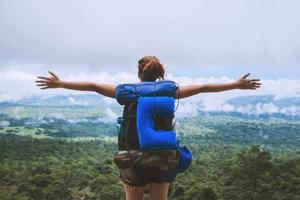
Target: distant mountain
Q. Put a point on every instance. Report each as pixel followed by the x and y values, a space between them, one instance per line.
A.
pixel 244 106
pixel 250 116
pixel 253 100
pixel 59 100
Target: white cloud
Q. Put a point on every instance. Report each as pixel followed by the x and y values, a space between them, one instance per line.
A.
pixel 197 37
pixel 18 85
pixel 266 108
pixel 4 123
pixel 188 109
pixel 77 102
pixel 16 76
pixel 57 116
pixel 75 121
pixel 109 116
pixel 292 110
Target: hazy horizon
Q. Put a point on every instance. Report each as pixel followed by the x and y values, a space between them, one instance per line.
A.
pixel 197 41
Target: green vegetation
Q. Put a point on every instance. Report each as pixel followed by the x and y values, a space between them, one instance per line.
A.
pixel 54 169
pixel 45 155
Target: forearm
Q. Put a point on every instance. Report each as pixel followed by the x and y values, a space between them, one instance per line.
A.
pixel 54 82
pixel 105 89
pixel 217 87
pixel 186 91
pixel 82 86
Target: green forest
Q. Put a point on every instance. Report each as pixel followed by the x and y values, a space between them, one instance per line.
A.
pixel 53 169
pixel 234 158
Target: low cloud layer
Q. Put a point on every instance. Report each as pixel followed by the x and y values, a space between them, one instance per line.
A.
pixel 18 85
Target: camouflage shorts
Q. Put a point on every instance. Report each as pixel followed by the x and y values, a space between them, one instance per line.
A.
pixel 164 159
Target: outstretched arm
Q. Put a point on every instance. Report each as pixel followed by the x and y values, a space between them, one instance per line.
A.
pixel 54 82
pixel 242 83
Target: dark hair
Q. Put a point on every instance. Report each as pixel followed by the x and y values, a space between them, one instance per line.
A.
pixel 150 69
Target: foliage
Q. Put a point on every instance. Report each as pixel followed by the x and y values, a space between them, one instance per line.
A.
pixel 53 169
pixel 66 153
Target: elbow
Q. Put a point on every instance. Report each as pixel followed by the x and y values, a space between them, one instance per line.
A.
pixel 93 87
pixel 106 90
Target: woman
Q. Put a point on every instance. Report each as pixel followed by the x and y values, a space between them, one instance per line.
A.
pixel 149 69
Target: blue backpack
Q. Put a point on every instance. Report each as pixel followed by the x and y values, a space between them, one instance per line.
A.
pixel 153 100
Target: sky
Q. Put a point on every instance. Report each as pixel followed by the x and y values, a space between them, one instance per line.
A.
pixel 197 41
pixel 210 38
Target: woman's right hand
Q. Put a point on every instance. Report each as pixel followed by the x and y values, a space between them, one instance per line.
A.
pixel 49 82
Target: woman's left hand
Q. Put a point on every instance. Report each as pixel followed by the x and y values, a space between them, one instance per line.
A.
pixel 243 83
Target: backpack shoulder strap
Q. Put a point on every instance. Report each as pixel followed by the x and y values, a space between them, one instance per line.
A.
pixel 129 137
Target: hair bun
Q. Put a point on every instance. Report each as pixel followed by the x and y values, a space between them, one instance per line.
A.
pixel 151 68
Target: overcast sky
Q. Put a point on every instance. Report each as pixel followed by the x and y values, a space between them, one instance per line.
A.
pixel 199 41
pixel 192 38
